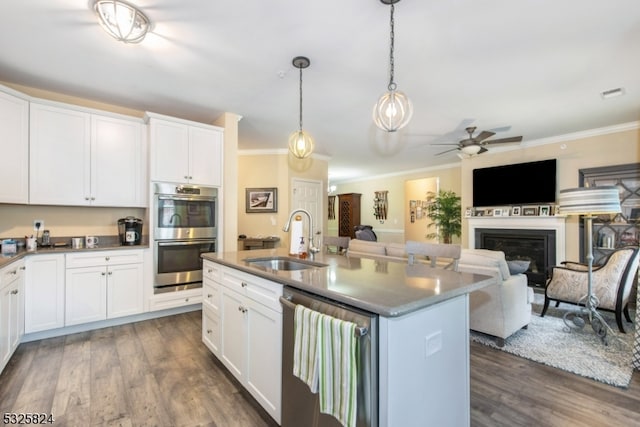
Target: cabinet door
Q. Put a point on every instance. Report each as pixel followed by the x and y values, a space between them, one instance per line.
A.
pixel 16 324
pixel 234 344
pixel 205 156
pixel 86 295
pixel 169 147
pixel 117 166
pixel 264 357
pixel 124 290
pixel 59 153
pixel 5 321
pixel 44 293
pixel 14 146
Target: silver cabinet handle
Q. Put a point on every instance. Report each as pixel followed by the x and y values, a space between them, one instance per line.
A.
pixel 107 258
pixel 209 295
pixel 243 284
pixel 186 300
pixel 103 273
pixel 209 331
pixel 110 273
pixel 14 292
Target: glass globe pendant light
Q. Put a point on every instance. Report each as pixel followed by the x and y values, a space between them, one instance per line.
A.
pixel 300 142
pixel 394 109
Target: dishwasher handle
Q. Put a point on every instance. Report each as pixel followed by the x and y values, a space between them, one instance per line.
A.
pixel 360 331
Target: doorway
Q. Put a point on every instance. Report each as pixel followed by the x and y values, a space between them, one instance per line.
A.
pixel 307 195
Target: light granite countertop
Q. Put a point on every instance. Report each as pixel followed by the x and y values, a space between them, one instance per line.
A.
pixel 387 288
pixel 108 245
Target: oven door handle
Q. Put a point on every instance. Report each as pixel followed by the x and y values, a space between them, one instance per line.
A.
pixel 186 242
pixel 188 198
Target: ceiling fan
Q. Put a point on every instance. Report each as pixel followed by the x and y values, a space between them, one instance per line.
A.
pixel 477 145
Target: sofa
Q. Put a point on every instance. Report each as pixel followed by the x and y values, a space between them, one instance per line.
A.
pixel 498 310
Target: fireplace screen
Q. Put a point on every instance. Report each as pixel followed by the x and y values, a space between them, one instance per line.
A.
pixel 535 246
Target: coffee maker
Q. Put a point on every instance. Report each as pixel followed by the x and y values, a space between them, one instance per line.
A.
pixel 130 230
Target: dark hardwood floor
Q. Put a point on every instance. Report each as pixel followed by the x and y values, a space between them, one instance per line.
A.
pixel 158 373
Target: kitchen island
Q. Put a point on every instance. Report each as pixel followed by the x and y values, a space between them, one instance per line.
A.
pixel 423 333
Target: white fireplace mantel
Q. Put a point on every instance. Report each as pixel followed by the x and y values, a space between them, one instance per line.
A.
pixel 556 223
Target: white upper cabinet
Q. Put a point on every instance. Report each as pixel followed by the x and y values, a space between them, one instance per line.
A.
pixel 14 146
pixel 79 158
pixel 185 152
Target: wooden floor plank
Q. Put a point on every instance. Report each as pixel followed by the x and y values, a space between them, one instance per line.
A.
pixel 158 373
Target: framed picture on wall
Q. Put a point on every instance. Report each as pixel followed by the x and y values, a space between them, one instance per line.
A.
pixel 261 200
pixel 530 211
pixel 544 210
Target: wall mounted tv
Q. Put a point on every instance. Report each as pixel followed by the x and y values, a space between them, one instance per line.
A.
pixel 517 184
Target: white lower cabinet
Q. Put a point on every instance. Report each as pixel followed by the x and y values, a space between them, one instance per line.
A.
pixel 103 285
pixel 44 300
pixel 250 331
pixel 211 294
pixel 11 309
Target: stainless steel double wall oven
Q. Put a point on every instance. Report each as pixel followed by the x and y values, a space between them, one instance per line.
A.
pixel 185 219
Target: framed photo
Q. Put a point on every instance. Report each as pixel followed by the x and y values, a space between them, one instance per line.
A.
pixel 468 212
pixel 515 211
pixel 261 200
pixel 497 212
pixel 530 211
pixel 544 210
pixel 488 212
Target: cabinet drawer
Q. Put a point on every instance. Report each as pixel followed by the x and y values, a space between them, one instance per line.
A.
pixel 211 330
pixel 104 258
pixel 175 299
pixel 211 295
pixel 260 290
pixel 211 270
pixel 12 272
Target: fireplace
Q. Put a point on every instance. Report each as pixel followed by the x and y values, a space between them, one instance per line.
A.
pixel 538 246
pixel 524 227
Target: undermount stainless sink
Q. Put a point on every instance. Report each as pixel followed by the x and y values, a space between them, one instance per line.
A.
pixel 282 263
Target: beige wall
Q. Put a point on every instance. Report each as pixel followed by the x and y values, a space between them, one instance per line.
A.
pixel 393 229
pixel 64 221
pixel 274 169
pixel 572 155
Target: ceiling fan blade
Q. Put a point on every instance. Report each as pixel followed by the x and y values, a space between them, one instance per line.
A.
pixel 448 144
pixel 447 151
pixel 484 135
pixel 505 140
pixel 482 150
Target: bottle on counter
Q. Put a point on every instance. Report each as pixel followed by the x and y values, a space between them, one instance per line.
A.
pixel 302 251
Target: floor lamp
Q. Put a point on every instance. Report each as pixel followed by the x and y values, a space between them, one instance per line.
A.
pixel 589 202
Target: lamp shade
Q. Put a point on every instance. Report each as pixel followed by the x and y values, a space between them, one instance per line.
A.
pixel 471 149
pixel 589 201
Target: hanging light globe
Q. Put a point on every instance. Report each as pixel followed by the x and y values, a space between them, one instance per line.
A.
pixel 301 144
pixel 393 110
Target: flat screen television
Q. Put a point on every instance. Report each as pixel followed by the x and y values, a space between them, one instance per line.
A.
pixel 516 184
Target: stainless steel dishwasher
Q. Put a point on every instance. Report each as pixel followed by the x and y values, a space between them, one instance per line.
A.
pixel 300 407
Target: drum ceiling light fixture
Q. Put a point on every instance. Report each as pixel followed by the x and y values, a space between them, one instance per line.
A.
pixel 123 21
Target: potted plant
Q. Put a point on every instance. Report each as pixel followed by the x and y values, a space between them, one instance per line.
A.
pixel 444 211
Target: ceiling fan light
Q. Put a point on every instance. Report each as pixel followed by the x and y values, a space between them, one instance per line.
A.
pixel 471 150
pixel 122 21
pixel 300 144
pixel 392 111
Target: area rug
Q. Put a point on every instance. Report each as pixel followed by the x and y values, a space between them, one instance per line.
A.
pixel 549 341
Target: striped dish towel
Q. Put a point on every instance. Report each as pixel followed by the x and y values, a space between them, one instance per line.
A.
pixel 305 357
pixel 337 350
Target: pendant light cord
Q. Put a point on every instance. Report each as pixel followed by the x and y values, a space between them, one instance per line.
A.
pixel 300 99
pixel 392 85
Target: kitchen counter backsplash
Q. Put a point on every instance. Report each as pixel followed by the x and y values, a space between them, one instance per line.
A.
pixel 63 244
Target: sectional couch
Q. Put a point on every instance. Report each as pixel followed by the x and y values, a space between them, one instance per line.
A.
pixel 498 310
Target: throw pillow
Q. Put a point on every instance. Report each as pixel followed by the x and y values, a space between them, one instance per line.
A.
pixel 517 266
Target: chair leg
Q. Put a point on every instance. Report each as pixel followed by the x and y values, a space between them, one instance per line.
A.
pixel 557 304
pixel 626 313
pixel 546 306
pixel 500 342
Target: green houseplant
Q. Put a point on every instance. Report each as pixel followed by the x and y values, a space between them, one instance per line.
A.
pixel 445 212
